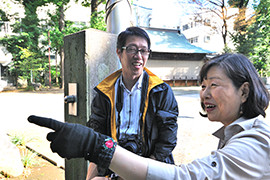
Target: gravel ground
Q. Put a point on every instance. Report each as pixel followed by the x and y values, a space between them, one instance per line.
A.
pixel 195 138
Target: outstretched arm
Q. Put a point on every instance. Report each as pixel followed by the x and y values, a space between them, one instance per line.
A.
pixel 128 165
pixel 77 141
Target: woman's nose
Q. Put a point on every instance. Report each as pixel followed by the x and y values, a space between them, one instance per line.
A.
pixel 205 93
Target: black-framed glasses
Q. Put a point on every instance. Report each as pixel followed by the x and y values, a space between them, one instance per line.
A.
pixel 134 50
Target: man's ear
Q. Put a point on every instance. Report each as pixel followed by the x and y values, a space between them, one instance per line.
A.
pixel 245 91
pixel 119 53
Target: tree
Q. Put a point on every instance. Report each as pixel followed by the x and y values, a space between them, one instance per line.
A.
pixel 12 43
pixel 220 9
pixel 29 31
pixel 58 28
pixel 30 23
pixel 259 37
pixel 24 46
pixel 97 17
pixel 3 17
pixel 252 37
pixel 241 19
pixel 26 64
pixel 27 38
pixel 242 22
pixel 31 64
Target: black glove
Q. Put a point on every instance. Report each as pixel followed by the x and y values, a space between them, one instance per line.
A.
pixel 75 141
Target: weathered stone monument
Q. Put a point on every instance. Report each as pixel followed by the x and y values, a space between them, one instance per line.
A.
pixel 90 56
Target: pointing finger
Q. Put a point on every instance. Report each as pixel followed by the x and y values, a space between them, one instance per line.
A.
pixel 45 122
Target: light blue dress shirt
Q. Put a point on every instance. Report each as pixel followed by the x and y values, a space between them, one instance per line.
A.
pixel 130 114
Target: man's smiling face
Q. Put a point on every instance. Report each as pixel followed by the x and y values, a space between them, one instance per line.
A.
pixel 133 64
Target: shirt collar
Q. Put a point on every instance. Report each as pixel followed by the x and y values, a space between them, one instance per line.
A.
pixel 138 84
pixel 241 124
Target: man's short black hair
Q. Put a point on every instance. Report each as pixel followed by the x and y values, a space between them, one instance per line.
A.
pixel 132 31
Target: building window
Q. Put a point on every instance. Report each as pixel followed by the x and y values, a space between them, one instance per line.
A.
pixel 185 27
pixel 206 39
pixel 196 39
pixel 193 40
pixel 207 22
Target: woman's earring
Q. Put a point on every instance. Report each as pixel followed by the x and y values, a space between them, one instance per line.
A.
pixel 241 110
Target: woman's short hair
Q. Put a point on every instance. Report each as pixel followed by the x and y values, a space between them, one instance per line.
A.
pixel 240 69
pixel 132 31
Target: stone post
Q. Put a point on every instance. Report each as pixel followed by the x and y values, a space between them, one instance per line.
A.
pixel 90 56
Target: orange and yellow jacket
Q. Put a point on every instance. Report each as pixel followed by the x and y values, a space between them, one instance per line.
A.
pixel 159 118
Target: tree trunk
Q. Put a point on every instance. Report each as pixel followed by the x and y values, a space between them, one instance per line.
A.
pixel 94 6
pixel 61 51
pixel 224 26
pixel 56 67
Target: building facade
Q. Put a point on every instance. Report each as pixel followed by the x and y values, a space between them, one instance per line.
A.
pixel 205 30
pixel 173 58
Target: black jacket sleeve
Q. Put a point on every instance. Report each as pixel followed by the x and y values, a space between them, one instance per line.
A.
pixel 100 114
pixel 166 117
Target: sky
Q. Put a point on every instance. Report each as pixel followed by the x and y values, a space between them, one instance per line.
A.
pixel 166 13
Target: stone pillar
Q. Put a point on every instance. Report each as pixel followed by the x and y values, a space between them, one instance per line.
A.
pixel 90 56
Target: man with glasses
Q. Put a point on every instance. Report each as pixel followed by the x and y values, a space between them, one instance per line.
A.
pixel 134 106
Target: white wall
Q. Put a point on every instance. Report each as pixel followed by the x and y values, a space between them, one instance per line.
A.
pixel 168 69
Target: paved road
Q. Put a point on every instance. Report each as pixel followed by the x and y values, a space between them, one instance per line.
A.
pixel 194 134
pixel 16 107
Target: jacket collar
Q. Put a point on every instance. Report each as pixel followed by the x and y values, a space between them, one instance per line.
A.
pixel 107 85
pixel 239 125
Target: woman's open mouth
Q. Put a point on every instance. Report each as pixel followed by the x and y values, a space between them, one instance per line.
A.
pixel 209 107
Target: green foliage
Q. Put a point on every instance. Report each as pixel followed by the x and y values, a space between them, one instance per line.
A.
pixel 97 17
pixel 260 38
pixel 27 156
pixel 31 64
pixel 97 21
pixel 53 75
pixel 56 34
pixel 88 3
pixel 59 3
pixel 54 31
pixel 253 37
pixel 241 43
pixel 3 17
pixel 17 45
pixel 19 139
pixel 24 46
pixel 29 60
pixel 30 23
pixel 227 49
pixel 13 42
